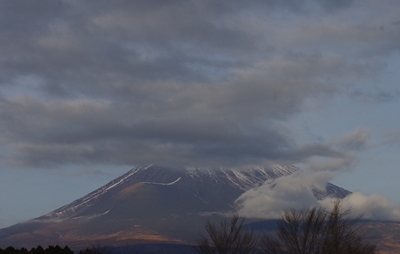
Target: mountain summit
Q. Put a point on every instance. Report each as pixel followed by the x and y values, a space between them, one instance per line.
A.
pixel 148 204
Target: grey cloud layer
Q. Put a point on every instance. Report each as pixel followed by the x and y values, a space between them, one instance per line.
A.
pixel 178 82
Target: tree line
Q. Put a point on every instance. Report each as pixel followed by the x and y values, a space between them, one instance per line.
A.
pixel 52 250
pixel 38 250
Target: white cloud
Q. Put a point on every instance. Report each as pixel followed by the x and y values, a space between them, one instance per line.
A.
pixel 374 207
pixel 295 192
pixel 288 192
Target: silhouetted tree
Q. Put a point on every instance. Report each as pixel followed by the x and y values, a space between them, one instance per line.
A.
pixel 38 250
pixel 95 249
pixel 67 250
pixel 23 251
pixel 228 237
pixel 9 250
pixel 317 231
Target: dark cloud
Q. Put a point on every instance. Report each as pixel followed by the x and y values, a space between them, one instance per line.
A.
pixel 334 5
pixel 171 82
pixel 396 23
pixel 375 96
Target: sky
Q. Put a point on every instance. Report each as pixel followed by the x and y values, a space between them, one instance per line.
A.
pixel 89 89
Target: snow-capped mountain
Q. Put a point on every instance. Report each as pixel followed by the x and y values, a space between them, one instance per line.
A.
pixel 149 204
pixel 240 179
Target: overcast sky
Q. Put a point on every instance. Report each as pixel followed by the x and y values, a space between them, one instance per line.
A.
pixel 89 89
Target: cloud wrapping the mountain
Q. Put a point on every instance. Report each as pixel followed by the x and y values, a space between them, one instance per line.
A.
pixel 374 207
pixel 295 191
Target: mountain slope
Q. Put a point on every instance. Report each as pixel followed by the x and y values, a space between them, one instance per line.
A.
pixel 192 178
pixel 146 205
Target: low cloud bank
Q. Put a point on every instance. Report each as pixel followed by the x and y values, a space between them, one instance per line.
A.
pixel 288 192
pixel 295 192
pixel 375 207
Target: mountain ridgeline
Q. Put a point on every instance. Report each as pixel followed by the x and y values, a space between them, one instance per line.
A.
pixel 148 204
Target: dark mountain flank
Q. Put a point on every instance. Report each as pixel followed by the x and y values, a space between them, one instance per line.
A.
pixel 146 205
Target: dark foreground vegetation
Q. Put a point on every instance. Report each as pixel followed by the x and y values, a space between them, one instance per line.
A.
pixel 308 231
pixel 38 250
pixel 51 250
pixel 128 249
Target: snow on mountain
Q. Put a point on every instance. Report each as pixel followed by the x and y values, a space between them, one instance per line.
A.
pixel 147 204
pixel 87 200
pixel 331 191
pixel 238 178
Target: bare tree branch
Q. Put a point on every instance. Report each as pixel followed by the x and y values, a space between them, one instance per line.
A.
pixel 227 238
pixel 317 231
